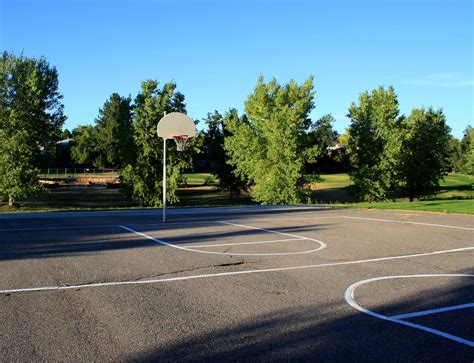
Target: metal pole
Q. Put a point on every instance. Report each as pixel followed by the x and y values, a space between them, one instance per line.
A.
pixel 164 179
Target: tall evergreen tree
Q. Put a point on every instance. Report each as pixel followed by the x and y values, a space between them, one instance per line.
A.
pixel 374 143
pixel 31 116
pixel 114 131
pixel 268 149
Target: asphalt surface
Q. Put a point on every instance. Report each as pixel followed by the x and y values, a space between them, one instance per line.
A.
pixel 237 284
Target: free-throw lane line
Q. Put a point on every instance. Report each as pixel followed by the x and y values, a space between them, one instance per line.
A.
pixel 432 311
pixel 320 247
pixel 261 229
pixel 349 297
pixel 233 273
pixel 247 243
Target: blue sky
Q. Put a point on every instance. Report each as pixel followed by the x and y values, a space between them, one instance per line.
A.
pixel 215 50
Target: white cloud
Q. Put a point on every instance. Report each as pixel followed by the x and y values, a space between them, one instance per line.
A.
pixel 440 80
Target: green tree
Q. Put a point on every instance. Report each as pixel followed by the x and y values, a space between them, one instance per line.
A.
pixel 114 131
pixel 374 143
pixel 84 150
pixel 470 158
pixel 143 175
pixel 218 160
pixel 455 158
pixel 269 147
pixel 322 134
pixel 467 153
pixel 425 152
pixel 65 134
pixel 31 116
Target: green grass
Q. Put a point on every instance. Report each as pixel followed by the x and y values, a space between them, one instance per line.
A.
pixel 456 186
pixel 330 181
pixel 455 195
pixel 332 188
pixel 440 206
pixel 198 179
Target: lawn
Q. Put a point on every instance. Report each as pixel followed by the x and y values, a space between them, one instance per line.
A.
pixel 455 195
pixel 441 206
pixel 199 179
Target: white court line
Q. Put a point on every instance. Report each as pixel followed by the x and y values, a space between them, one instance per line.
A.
pixel 409 222
pixel 247 243
pixel 432 311
pixel 261 229
pixel 321 244
pixel 233 273
pixel 349 296
pixel 362 219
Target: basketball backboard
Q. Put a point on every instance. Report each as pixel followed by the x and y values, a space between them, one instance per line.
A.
pixel 176 124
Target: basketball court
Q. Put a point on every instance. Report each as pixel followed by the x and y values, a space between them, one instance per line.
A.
pixel 249 283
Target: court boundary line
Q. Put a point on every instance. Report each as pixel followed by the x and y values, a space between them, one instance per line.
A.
pixel 349 297
pixel 164 225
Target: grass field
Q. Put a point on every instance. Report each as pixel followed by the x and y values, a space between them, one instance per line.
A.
pixel 465 206
pixel 455 195
pixel 199 179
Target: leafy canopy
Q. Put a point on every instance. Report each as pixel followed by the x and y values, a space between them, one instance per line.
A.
pixel 143 174
pixel 31 116
pixel 218 160
pixel 374 143
pixel 268 147
pixel 425 152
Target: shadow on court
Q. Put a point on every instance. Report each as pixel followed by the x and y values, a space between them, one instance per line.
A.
pixel 313 334
pixel 62 243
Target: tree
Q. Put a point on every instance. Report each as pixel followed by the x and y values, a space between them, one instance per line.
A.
pixel 322 134
pixel 114 131
pixel 31 116
pixel 323 140
pixel 467 151
pixel 84 150
pixel 143 174
pixel 65 134
pixel 424 153
pixel 455 158
pixel 269 148
pixel 374 143
pixel 218 160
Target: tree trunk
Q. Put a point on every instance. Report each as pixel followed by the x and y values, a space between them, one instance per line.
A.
pixel 11 201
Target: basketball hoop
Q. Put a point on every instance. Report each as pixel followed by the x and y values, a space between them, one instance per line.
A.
pixel 180 141
pixel 180 128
